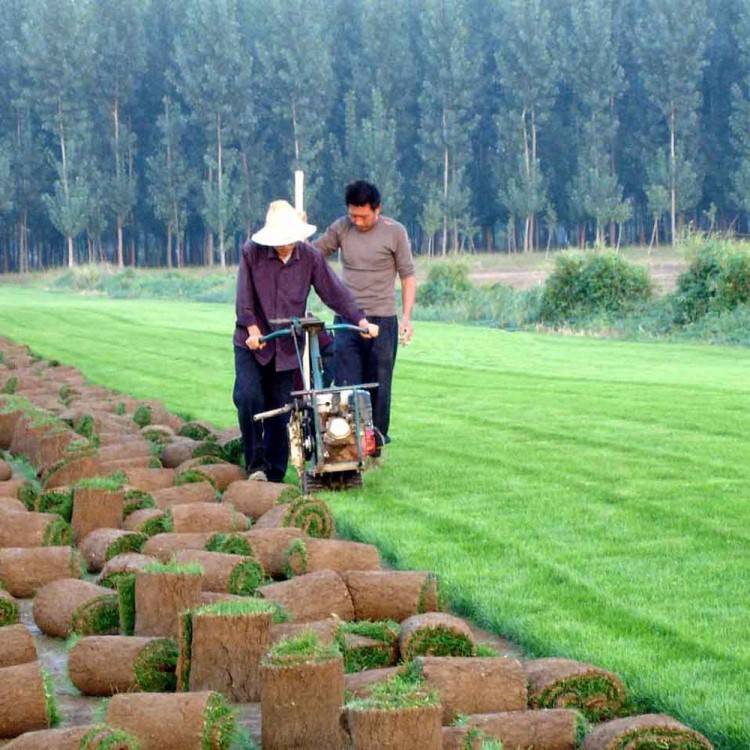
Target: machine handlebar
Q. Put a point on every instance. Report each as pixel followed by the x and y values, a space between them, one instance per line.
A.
pixel 300 324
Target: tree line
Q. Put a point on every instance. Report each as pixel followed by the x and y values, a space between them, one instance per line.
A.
pixel 154 132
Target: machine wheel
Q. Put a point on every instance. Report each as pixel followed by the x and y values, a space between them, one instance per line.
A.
pixel 344 480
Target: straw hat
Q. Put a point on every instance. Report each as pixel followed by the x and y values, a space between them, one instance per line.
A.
pixel 283 226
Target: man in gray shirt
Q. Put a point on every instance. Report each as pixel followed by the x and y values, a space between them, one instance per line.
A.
pixel 374 251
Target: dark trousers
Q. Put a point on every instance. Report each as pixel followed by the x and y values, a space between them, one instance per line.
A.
pixel 260 388
pixel 359 360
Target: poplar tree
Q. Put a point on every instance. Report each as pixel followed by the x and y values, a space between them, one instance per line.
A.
pixel 447 119
pixel 670 42
pixel 740 117
pixel 528 72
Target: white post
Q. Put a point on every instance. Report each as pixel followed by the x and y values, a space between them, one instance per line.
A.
pixel 299 191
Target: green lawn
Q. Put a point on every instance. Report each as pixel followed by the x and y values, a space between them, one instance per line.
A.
pixel 587 498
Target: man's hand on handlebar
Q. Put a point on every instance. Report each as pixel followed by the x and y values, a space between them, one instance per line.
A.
pixel 253 339
pixel 369 330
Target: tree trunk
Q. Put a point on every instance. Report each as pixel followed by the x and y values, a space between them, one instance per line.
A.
pixel 673 174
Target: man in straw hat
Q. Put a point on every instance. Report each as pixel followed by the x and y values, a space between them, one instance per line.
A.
pixel 277 270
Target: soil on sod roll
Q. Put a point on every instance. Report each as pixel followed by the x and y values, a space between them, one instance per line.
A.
pixel 232 574
pixel 301 705
pixel 646 731
pixel 105 665
pixel 160 596
pixel 163 546
pixel 474 685
pixel 74 606
pixel 72 471
pixel 314 596
pixel 31 529
pixel 563 683
pixel 270 545
pixel 120 565
pixel 200 517
pixel 310 514
pixel 253 499
pixel 221 647
pixel 173 721
pixel 391 595
pixel 309 555
pixel 221 475
pixel 184 494
pixel 394 729
pixel 50 739
pixel 24 570
pixel 149 480
pixel 95 508
pixel 553 729
pixel 361 684
pixel 435 634
pixel 148 521
pixel 102 545
pixel 23 700
pixel 11 503
pixel 8 609
pixel 16 646
pixel 178 451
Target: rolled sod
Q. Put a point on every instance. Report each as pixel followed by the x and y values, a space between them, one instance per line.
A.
pixel 200 517
pixel 644 733
pixel 361 684
pixel 11 503
pixel 149 480
pixel 314 596
pixel 134 500
pixel 95 508
pixel 310 514
pixel 161 593
pixel 73 606
pixel 393 594
pixel 105 665
pixel 478 685
pixel 224 572
pixel 435 634
pixel 16 646
pixel 552 729
pixel 221 647
pixel 123 564
pixel 232 543
pixel 368 645
pixel 325 631
pixel 184 494
pixel 302 692
pixel 25 703
pixel 179 721
pixel 102 545
pixel 86 737
pixel 24 570
pixel 163 546
pixel 221 475
pixel 8 609
pixel 270 545
pixel 71 471
pixel 397 714
pixel 56 500
pixel 253 499
pixel 311 554
pixel 31 529
pixel 563 683
pixel 149 521
pixel 178 451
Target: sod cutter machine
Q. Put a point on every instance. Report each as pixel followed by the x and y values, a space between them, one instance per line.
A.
pixel 330 429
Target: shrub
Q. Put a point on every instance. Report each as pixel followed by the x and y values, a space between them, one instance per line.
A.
pixel 446 283
pixel 717 280
pixel 599 283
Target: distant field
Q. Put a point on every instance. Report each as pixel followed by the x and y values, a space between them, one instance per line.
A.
pixel 586 498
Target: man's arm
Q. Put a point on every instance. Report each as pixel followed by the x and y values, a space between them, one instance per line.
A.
pixel 328 243
pixel 245 303
pixel 408 297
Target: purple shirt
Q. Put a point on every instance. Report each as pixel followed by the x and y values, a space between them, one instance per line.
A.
pixel 268 288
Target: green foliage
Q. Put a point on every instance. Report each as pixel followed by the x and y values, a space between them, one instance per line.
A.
pixel 582 285
pixel 305 648
pixel 446 284
pixel 54 716
pixel 717 280
pixel 142 415
pixel 233 544
pixel 154 667
pixel 401 692
pixel 126 602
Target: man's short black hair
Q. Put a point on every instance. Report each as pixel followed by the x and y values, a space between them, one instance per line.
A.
pixel 362 193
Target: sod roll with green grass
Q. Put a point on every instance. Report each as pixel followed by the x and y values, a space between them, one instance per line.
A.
pixel 368 645
pixel 8 609
pixel 74 606
pixel 435 634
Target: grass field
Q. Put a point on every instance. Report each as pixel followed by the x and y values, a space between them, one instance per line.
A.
pixel 587 498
